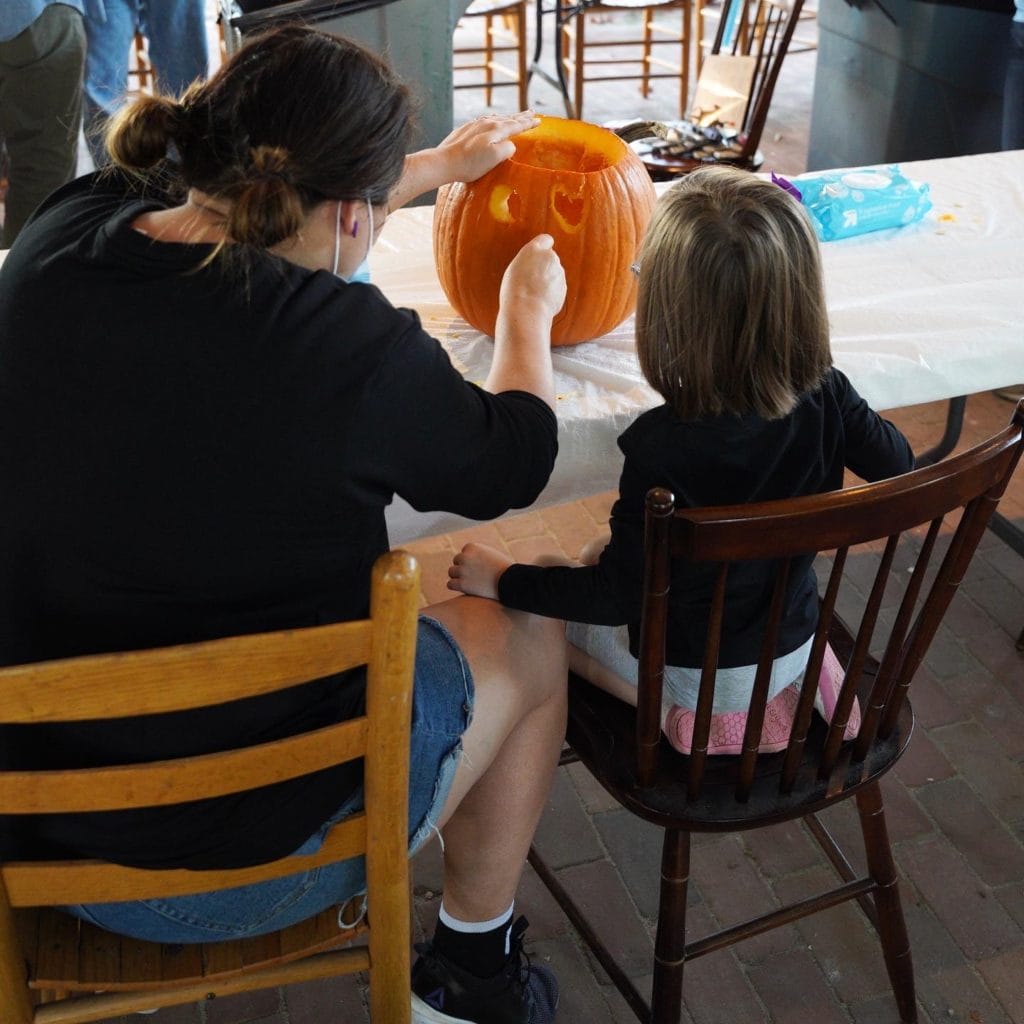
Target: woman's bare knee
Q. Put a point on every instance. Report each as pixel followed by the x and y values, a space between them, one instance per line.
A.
pixel 507 648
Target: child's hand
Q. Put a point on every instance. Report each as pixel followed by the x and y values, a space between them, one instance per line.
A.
pixel 476 569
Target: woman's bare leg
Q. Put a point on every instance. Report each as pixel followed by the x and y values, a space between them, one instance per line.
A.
pixel 510 750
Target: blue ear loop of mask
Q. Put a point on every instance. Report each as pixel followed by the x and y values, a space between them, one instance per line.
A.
pixel 362 272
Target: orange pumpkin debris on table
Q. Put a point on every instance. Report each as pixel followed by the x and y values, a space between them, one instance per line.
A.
pixel 579 183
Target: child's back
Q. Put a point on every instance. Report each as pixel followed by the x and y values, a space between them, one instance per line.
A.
pixel 732 331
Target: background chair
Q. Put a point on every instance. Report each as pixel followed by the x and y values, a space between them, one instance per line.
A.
pixel 139 65
pixel 706 20
pixel 740 72
pixel 627 754
pixel 642 52
pixel 71 962
pixel 504 31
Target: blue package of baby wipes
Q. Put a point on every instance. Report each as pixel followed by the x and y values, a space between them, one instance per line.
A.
pixel 853 202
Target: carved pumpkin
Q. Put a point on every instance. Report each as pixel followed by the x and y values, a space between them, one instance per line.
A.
pixel 579 183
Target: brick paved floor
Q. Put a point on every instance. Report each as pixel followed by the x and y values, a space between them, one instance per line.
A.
pixel 955 802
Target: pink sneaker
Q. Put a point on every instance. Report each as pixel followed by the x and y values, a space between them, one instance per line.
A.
pixel 726 736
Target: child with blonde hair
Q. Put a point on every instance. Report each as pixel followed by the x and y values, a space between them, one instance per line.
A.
pixel 732 331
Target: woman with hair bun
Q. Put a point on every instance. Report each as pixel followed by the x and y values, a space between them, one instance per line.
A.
pixel 203 416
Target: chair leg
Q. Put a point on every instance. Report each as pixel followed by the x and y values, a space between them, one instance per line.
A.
pixel 685 22
pixel 520 17
pixel 670 941
pixel 891 927
pixel 579 66
pixel 645 82
pixel 488 57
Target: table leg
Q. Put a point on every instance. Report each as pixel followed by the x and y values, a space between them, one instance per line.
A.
pixel 954 424
pixel 1009 533
pixel 563 13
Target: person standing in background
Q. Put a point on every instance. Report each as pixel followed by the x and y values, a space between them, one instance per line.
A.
pixel 176 31
pixel 42 52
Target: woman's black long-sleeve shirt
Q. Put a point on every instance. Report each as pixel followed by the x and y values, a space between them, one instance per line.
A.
pixel 192 452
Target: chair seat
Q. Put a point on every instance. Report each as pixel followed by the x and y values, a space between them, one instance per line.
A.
pixel 483 8
pixel 69 955
pixel 602 732
pixel 632 4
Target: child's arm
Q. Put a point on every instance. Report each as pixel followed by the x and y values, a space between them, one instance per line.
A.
pixel 476 569
pixel 875 448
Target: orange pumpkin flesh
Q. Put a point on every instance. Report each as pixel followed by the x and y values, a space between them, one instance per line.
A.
pixel 577 182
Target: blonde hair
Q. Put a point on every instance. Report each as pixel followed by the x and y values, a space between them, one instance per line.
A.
pixel 731 311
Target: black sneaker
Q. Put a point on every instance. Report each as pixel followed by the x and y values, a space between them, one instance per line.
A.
pixel 521 993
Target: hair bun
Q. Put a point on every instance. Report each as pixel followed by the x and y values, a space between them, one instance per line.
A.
pixel 270 163
pixel 139 133
pixel 266 207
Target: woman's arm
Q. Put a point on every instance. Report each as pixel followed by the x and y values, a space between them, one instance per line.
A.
pixel 468 153
pixel 533 287
pixel 532 292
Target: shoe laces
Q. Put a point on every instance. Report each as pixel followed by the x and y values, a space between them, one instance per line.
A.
pixel 519 962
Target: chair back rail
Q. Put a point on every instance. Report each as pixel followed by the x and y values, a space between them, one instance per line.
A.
pixel 966 487
pixel 192 676
pixel 629 56
pixel 764 30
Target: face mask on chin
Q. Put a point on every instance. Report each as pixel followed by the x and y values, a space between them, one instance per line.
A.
pixel 362 272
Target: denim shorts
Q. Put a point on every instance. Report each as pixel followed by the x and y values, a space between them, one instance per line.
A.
pixel 441 712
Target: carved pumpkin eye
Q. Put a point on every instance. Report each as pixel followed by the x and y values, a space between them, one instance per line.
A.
pixel 579 183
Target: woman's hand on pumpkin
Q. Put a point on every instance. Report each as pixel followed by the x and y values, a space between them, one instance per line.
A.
pixel 476 569
pixel 534 281
pixel 466 154
pixel 478 146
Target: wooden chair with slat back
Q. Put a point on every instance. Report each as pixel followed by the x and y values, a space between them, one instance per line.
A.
pixel 503 32
pixel 57 970
pixel 733 95
pixel 947 504
pixel 659 50
pixel 140 67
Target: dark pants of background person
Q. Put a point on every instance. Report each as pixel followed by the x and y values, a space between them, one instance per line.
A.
pixel 40 110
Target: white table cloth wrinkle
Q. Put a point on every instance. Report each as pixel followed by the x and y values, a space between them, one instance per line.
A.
pixel 917 314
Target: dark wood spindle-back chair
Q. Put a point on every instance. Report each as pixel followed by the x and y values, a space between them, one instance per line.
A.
pixel 946 505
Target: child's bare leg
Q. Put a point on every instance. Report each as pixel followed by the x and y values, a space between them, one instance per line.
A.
pixel 602 677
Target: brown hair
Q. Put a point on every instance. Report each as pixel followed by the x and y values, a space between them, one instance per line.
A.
pixel 731 311
pixel 295 117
